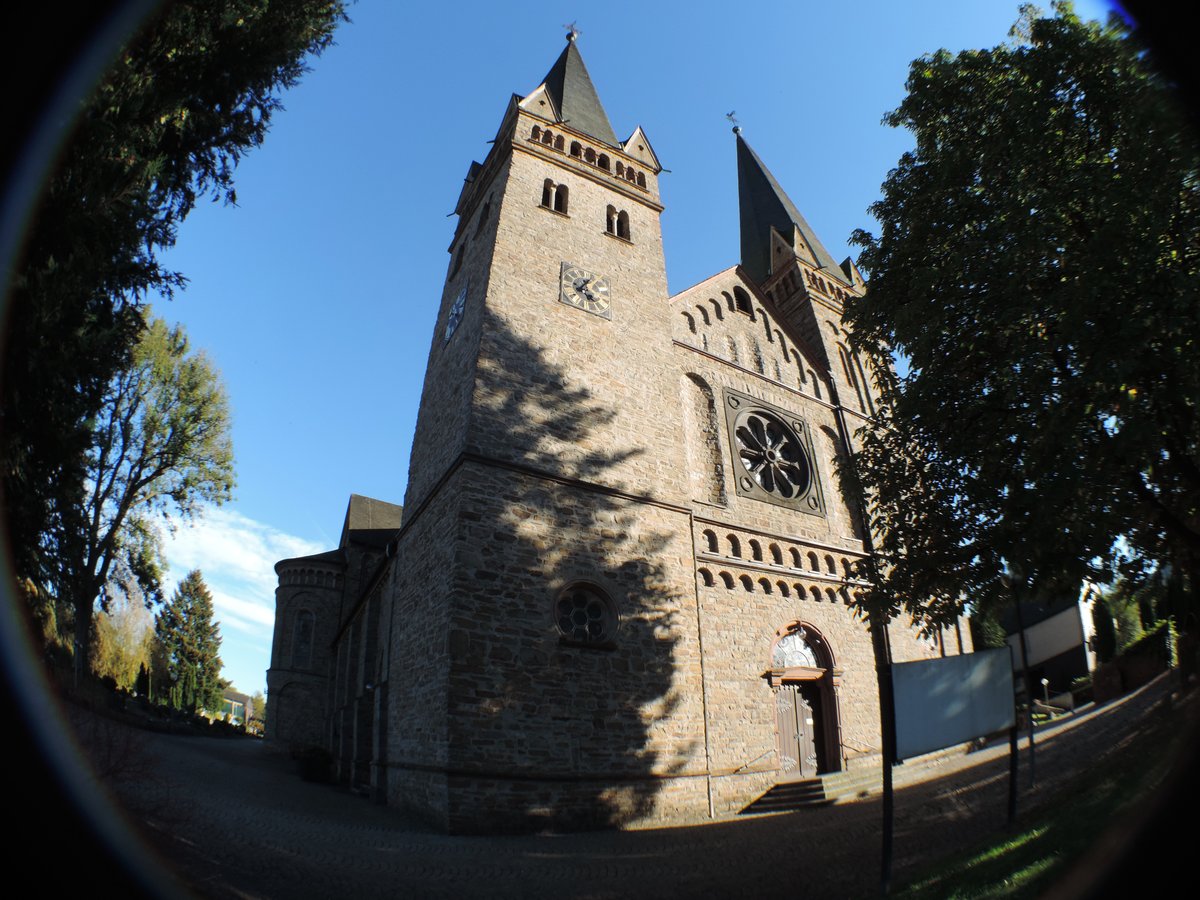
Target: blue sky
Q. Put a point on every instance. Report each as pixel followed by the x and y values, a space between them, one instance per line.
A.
pixel 316 295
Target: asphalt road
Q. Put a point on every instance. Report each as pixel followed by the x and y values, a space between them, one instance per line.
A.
pixel 230 818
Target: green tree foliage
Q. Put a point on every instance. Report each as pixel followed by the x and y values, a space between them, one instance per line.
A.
pixel 121 645
pixel 256 715
pixel 191 93
pixel 188 642
pixel 1037 266
pixel 160 447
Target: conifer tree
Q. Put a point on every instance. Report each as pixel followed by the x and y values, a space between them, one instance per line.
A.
pixel 188 644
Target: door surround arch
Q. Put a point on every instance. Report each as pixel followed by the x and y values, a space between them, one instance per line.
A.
pixel 803 670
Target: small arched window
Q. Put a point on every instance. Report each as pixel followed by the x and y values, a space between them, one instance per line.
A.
pixel 558 142
pixel 710 541
pixel 483 216
pixel 589 156
pixel 756 550
pixel 621 169
pixel 610 220
pixel 602 161
pixel 303 641
pixel 547 138
pixel 742 301
pixel 536 134
pixel 560 199
pixel 548 194
pixel 735 546
pixel 576 149
pixel 623 225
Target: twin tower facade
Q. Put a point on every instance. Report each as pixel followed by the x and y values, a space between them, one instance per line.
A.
pixel 617 591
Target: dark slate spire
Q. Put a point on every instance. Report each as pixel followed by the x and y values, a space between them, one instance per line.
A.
pixel 570 87
pixel 764 204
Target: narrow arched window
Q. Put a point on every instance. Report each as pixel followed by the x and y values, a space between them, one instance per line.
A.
pixel 710 541
pixel 303 641
pixel 458 258
pixel 610 221
pixel 536 134
pixel 623 225
pixel 547 138
pixel 560 199
pixel 589 156
pixel 483 216
pixel 742 301
pixel 548 194
pixel 602 161
pixel 558 142
pixel 576 149
pixel 641 180
pixel 621 169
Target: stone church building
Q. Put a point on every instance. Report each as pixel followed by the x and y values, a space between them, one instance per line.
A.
pixel 618 593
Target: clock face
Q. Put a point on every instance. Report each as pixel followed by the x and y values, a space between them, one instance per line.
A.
pixel 585 290
pixel 456 314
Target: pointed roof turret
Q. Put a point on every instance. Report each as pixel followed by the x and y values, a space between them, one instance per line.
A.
pixel 763 206
pixel 570 87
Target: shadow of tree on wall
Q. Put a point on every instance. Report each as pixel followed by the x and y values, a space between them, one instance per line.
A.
pixel 546 732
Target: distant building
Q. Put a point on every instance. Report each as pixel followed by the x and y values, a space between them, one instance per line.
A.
pixel 1058 640
pixel 620 590
pixel 235 705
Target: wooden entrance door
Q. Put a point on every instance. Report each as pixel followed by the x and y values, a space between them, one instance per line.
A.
pixel 798 718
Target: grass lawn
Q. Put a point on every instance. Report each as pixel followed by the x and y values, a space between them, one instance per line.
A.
pixel 1044 842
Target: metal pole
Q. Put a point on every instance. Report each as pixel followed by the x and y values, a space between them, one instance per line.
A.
pixel 1028 685
pixel 887 723
pixel 1013 754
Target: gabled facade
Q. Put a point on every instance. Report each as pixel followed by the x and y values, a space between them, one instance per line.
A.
pixel 620 591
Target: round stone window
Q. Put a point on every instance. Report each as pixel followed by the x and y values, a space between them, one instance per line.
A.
pixel 772 454
pixel 585 615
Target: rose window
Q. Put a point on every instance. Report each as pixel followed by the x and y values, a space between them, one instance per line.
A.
pixel 585 615
pixel 772 454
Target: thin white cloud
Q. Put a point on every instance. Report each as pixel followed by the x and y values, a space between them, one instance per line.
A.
pixel 237 556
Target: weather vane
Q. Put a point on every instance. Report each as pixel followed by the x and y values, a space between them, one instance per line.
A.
pixel 732 117
pixel 572 31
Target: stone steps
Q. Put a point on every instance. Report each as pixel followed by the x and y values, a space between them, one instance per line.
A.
pixel 834 787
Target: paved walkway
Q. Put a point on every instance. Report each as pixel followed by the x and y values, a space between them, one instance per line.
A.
pixel 236 821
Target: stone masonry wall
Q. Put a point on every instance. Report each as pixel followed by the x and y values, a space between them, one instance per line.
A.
pixel 417 662
pixel 543 731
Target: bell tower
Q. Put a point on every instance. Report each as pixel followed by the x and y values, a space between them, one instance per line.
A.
pixel 556 263
pixel 547 540
pixel 787 260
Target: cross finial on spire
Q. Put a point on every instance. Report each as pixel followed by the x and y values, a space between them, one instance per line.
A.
pixel 732 117
pixel 572 32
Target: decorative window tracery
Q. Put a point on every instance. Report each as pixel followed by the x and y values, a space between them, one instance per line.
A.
pixel 585 615
pixel 793 651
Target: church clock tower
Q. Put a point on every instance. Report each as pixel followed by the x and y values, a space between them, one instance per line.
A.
pixel 547 539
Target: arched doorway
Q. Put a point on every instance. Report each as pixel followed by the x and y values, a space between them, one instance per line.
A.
pixel 804 682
